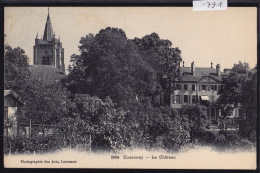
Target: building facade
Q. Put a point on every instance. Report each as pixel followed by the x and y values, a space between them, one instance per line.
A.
pixel 199 85
pixel 12 101
pixel 48 50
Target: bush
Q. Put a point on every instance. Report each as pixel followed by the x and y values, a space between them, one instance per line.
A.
pixel 230 140
pixel 22 145
pixel 252 136
pixel 207 137
pixel 220 140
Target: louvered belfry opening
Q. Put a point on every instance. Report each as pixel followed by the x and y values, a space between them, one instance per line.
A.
pixel 46 60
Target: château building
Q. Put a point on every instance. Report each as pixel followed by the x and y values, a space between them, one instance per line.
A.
pixel 199 85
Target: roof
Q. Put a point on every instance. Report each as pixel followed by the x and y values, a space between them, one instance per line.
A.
pixel 48 73
pixel 186 74
pixel 14 96
pixel 48 32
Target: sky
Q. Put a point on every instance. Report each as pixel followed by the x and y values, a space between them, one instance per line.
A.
pixel 221 37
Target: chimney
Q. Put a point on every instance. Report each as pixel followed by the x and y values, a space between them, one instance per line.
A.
pixel 193 68
pixel 183 64
pixel 227 71
pixel 218 69
pixel 211 64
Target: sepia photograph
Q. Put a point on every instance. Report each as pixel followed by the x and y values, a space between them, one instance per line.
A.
pixel 130 87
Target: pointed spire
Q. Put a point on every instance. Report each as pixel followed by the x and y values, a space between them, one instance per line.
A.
pixel 36 36
pixel 48 32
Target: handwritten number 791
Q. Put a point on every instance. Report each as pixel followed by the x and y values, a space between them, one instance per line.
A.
pixel 213 4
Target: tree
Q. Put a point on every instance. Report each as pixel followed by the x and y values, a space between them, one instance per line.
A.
pixel 164 59
pixel 16 68
pixel 248 96
pixel 44 103
pixel 230 94
pixel 194 119
pixel 240 91
pixel 93 121
pixel 111 65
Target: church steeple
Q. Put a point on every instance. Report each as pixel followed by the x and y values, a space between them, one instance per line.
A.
pixel 48 32
pixel 48 50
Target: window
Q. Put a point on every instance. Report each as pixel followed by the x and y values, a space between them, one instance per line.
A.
pixel 185 87
pixel 203 87
pixel 46 60
pixel 177 99
pixel 194 99
pixel 186 99
pixel 193 87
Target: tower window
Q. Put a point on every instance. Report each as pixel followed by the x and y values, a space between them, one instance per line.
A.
pixel 46 60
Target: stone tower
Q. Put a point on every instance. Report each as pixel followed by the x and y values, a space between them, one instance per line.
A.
pixel 48 50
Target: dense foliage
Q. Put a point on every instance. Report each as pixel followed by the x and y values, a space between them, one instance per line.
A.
pixel 44 103
pixel 16 68
pixel 194 117
pixel 112 65
pixel 240 91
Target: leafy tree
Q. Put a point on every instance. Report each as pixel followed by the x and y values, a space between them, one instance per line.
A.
pixel 164 59
pixel 230 94
pixel 94 122
pixel 16 68
pixel 164 129
pixel 240 91
pixel 248 115
pixel 112 65
pixel 43 103
pixel 194 119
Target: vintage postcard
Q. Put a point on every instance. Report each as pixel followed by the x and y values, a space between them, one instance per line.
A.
pixel 130 87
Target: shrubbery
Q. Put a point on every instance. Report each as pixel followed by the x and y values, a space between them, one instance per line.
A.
pixel 23 145
pixel 232 140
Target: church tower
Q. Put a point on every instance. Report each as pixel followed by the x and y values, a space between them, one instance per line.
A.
pixel 48 50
